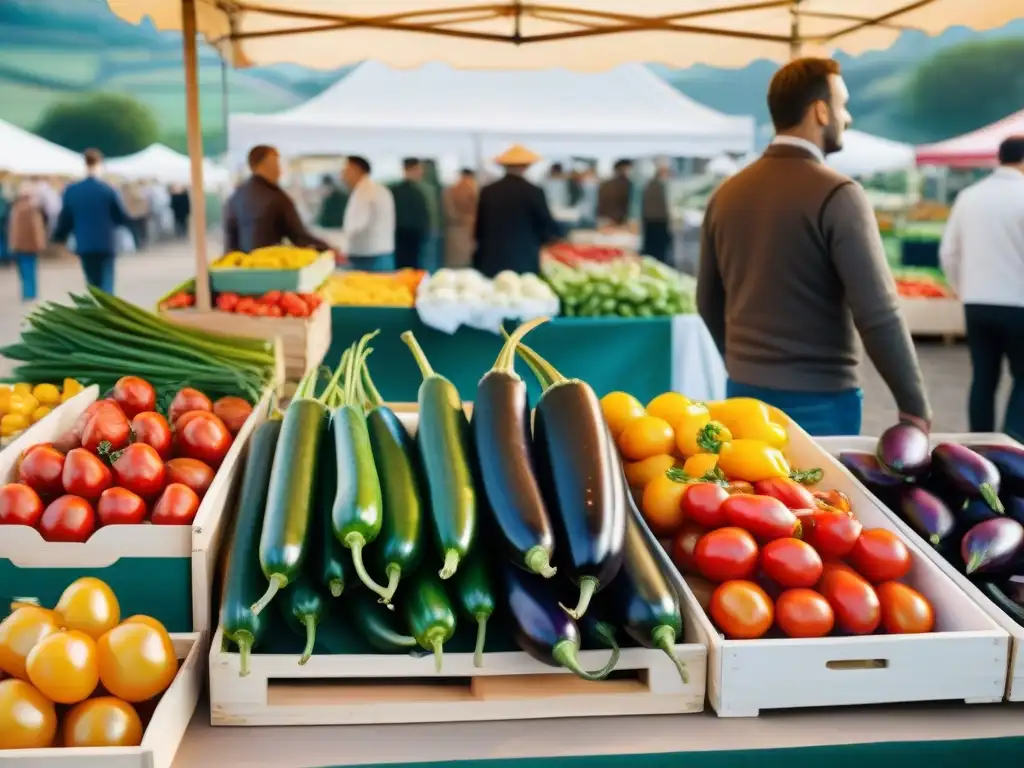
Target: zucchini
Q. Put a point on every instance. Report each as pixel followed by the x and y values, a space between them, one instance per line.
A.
pixel 476 598
pixel 330 567
pixel 380 627
pixel 429 615
pixel 303 608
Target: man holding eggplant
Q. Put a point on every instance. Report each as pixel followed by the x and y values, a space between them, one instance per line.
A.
pixel 792 268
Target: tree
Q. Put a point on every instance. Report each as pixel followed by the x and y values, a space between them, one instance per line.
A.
pixel 114 123
pixel 966 87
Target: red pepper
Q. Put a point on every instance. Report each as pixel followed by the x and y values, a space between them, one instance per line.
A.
pixel 765 517
pixel 788 491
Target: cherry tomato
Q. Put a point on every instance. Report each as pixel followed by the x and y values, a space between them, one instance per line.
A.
pixel 661 505
pixel 148 620
pixel 73 437
pixel 645 437
pixel 89 606
pixel 205 439
pixel 105 721
pixel 85 475
pixel 702 503
pixel 140 469
pixel 786 490
pixel 640 473
pixel 152 429
pixel 853 601
pixel 19 505
pixel 119 506
pixel 803 613
pixel 19 633
pixel 186 400
pixel 726 553
pixel 28 720
pixel 134 395
pixel 831 533
pixel 41 471
pixel 905 611
pixel 791 563
pixel 670 406
pixel 741 610
pixel 765 517
pixel 189 416
pixel 835 499
pixel 233 411
pixel 136 661
pixel 68 518
pixel 107 425
pixel 63 667
pixel 880 555
pixel 191 472
pixel 177 505
pixel 683 548
pixel 739 486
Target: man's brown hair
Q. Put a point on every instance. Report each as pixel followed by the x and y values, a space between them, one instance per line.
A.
pixel 258 154
pixel 93 157
pixel 796 86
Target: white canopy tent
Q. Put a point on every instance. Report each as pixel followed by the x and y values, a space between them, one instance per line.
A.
pixel 163 164
pixel 866 155
pixel 26 154
pixel 436 110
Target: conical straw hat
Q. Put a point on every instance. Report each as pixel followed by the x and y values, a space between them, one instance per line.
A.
pixel 517 154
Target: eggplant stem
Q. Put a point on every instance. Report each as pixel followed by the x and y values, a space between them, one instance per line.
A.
pixel 277 583
pixel 566 654
pixel 394 573
pixel 588 586
pixel 310 623
pixel 244 640
pixel 336 587
pixel 664 638
pixel 418 354
pixel 451 564
pixel 973 564
pixel 355 542
pixel 506 362
pixel 436 640
pixel 988 493
pixel 550 372
pixel 538 560
pixel 481 638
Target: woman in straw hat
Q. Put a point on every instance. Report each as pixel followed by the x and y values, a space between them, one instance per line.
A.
pixel 513 221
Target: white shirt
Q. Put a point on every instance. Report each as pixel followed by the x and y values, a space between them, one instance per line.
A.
pixel 982 251
pixel 796 141
pixel 369 225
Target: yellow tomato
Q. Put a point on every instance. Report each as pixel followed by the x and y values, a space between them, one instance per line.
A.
pixel 89 606
pixel 46 394
pixel 22 404
pixel 12 424
pixel 645 437
pixel 5 401
pixel 148 620
pixel 22 388
pixel 700 464
pixel 40 413
pixel 620 408
pixel 137 662
pixel 19 633
pixel 63 667
pixel 640 473
pixel 662 505
pixel 669 406
pixel 102 722
pixel 28 720
pixel 72 385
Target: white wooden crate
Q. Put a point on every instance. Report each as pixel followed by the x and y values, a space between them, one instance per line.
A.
pixel 163 734
pixel 933 316
pixel 1015 677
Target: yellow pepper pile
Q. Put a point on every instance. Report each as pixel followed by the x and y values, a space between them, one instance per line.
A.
pixel 271 257
pixel 23 405
pixel 374 289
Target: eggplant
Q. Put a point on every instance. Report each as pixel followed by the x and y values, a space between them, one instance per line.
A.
pixel 1008 596
pixel 964 471
pixel 991 544
pixel 542 629
pixel 927 514
pixel 974 511
pixel 869 470
pixel 1014 506
pixel 904 450
pixel 1009 460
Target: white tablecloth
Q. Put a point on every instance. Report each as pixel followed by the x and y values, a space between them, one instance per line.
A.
pixel 628 241
pixel 697 369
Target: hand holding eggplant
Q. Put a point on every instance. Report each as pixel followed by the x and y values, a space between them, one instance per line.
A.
pixel 904 450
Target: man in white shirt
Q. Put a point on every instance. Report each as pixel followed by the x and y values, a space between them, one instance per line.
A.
pixel 982 254
pixel 369 224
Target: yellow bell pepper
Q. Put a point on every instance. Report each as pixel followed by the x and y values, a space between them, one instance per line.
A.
pixel 752 461
pixel 692 419
pixel 700 464
pixel 712 436
pixel 749 419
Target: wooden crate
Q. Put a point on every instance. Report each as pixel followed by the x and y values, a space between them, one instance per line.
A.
pixel 1015 676
pixel 163 734
pixel 964 659
pixel 933 317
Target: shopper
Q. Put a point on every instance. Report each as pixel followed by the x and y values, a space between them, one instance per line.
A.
pixel 92 211
pixel 657 237
pixel 982 254
pixel 181 207
pixel 460 201
pixel 369 226
pixel 332 204
pixel 615 196
pixel 26 237
pixel 412 217
pixel 792 267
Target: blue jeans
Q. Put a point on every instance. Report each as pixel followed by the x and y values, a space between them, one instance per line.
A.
pixel 820 413
pixel 99 270
pixel 27 263
pixel 384 262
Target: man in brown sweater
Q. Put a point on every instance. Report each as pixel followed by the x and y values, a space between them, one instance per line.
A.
pixel 792 268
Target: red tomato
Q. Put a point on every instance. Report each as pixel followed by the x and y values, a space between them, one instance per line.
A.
pixel 134 395
pixel 152 429
pixel 186 400
pixel 803 613
pixel 41 471
pixel 69 518
pixel 205 439
pixel 233 411
pixel 905 611
pixel 119 506
pixel 702 503
pixel 853 601
pixel 73 437
pixel 739 486
pixel 85 475
pixel 19 505
pixel 177 505
pixel 835 499
pixel 791 562
pixel 831 533
pixel 726 553
pixel 185 418
pixel 140 469
pixel 741 610
pixel 786 490
pixel 764 516
pixel 880 555
pixel 107 425
pixel 190 472
pixel 683 546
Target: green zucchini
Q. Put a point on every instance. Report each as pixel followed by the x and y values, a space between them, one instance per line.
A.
pixel 330 566
pixel 243 582
pixel 476 598
pixel 444 440
pixel 303 608
pixel 380 627
pixel 429 615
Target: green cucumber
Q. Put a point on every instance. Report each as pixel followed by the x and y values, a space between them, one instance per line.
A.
pixel 476 598
pixel 429 615
pixel 303 608
pixel 377 625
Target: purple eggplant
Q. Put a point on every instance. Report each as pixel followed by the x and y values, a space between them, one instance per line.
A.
pixel 904 450
pixel 974 511
pixel 1009 460
pixel 1014 506
pixel 542 629
pixel 966 472
pixel 927 514
pixel 991 544
pixel 1008 596
pixel 868 470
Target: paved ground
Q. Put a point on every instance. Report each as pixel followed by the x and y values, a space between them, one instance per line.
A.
pixel 142 278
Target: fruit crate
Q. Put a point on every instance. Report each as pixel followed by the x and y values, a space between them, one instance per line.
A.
pixel 256 282
pixel 1015 677
pixel 164 731
pixel 933 317
pixel 964 659
pixel 162 571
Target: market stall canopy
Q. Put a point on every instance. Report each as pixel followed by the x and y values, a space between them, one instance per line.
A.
pixel 26 154
pixel 866 155
pixel 163 164
pixel 978 149
pixel 627 111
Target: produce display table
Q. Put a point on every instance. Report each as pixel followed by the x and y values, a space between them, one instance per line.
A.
pixel 643 356
pixel 919 243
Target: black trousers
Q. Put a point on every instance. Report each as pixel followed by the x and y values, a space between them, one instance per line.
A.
pixel 995 333
pixel 408 248
pixel 657 241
